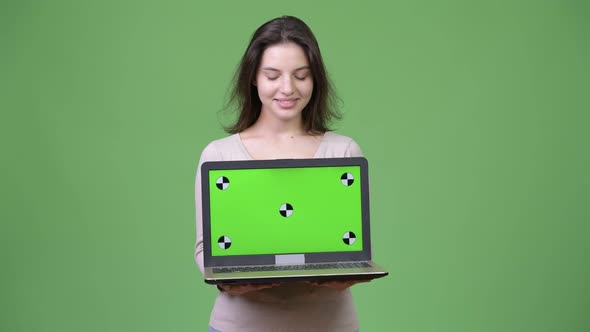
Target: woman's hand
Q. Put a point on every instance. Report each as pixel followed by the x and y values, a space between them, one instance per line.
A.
pixel 338 285
pixel 247 288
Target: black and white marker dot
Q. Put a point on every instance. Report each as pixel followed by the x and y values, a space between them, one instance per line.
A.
pixel 222 183
pixel 349 238
pixel 286 210
pixel 347 179
pixel 224 242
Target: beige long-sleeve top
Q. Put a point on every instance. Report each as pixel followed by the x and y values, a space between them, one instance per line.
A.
pixel 291 306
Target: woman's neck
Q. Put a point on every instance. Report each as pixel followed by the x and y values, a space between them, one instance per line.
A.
pixel 276 128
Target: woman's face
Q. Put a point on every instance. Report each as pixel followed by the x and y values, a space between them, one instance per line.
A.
pixel 284 81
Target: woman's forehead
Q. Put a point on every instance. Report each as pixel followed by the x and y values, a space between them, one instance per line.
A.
pixel 286 56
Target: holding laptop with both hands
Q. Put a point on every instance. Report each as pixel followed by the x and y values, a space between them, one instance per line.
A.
pixel 268 221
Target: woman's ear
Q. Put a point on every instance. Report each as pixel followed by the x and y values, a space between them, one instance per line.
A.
pixel 254 83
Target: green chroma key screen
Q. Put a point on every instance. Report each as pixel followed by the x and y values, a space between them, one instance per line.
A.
pixel 285 210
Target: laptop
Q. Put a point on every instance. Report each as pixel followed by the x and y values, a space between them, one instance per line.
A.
pixel 286 220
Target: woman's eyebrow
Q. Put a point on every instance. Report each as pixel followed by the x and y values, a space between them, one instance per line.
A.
pixel 274 69
pixel 302 68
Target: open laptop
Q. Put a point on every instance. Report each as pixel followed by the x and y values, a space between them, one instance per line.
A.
pixel 286 220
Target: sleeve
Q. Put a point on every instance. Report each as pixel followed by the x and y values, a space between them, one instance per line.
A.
pixel 208 154
pixel 353 150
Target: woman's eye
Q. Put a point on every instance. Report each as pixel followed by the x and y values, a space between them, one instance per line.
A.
pixel 301 78
pixel 272 78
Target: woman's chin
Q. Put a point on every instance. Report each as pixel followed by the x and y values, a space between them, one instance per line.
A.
pixel 287 114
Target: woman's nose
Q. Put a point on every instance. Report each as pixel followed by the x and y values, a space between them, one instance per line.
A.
pixel 287 86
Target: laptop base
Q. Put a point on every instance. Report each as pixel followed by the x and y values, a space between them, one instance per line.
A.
pixel 263 277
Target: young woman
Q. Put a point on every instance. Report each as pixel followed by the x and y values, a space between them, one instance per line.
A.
pixel 284 100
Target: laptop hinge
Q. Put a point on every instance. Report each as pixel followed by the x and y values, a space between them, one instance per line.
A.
pixel 290 259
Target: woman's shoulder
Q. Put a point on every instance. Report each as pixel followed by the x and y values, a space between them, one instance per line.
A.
pixel 337 138
pixel 223 143
pixel 226 148
pixel 336 145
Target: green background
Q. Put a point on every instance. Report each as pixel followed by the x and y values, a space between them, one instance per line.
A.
pixel 248 210
pixel 472 114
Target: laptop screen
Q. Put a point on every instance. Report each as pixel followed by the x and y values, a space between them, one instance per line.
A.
pixel 285 210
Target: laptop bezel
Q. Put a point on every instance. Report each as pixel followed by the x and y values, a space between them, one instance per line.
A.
pixel 269 259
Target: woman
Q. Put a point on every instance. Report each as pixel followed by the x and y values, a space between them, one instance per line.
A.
pixel 284 100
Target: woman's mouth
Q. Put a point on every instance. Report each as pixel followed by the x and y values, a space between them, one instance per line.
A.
pixel 286 103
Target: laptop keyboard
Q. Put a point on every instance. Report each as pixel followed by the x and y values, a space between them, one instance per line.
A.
pixel 264 268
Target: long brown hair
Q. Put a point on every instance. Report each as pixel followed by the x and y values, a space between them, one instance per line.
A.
pixel 320 110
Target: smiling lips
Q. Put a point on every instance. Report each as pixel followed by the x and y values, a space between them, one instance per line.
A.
pixel 287 102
